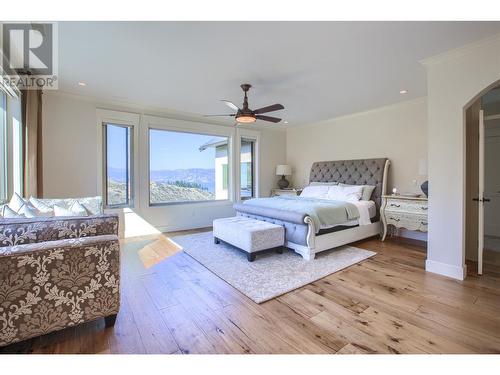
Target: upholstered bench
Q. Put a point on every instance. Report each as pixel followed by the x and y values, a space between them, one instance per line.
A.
pixel 250 235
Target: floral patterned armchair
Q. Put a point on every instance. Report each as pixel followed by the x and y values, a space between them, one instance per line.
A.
pixel 57 272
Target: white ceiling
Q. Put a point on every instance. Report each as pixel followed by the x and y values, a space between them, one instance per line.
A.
pixel 317 70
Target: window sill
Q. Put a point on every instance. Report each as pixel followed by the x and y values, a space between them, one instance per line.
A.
pixel 221 202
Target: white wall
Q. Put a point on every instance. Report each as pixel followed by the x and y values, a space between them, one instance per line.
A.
pixel 398 132
pixel 70 139
pixel 272 149
pixel 454 79
pixel 69 157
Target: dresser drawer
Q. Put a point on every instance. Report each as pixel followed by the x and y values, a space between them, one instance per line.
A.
pixel 407 206
pixel 409 221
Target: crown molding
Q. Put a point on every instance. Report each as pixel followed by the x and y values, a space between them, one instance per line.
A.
pixel 120 105
pixel 460 51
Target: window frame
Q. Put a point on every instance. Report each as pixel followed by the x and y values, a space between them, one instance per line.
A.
pixel 130 163
pixel 141 124
pixel 252 168
pixel 16 186
pixel 250 135
pixel 9 185
pixel 162 122
pixel 197 132
pixel 4 158
pixel 124 119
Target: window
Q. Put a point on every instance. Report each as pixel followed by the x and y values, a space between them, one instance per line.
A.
pixel 247 165
pixel 3 148
pixel 118 171
pixel 187 167
pixel 17 146
pixel 11 146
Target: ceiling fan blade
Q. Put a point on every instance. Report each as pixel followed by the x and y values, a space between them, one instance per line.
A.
pixel 219 115
pixel 268 118
pixel 269 108
pixel 230 104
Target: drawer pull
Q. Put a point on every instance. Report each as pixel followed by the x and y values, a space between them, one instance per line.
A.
pixel 395 205
pixel 392 218
pixel 425 208
pixel 423 222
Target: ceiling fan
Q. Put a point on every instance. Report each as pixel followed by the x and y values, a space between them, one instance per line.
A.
pixel 245 115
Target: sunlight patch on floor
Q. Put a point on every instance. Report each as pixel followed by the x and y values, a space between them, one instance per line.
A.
pixel 158 250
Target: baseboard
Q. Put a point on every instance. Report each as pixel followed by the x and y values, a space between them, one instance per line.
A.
pixel 445 269
pixel 178 228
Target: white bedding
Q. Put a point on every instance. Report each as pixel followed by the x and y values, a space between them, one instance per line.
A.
pixel 367 210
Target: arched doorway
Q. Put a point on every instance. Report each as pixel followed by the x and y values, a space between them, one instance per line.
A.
pixel 482 195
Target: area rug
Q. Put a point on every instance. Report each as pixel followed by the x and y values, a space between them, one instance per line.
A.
pixel 271 274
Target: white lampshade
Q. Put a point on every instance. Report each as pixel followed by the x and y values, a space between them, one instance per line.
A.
pixel 283 170
pixel 422 167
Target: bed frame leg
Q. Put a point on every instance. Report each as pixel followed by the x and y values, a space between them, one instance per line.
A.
pixel 309 256
pixel 216 241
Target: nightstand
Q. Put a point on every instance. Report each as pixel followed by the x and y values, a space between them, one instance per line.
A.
pixel 403 212
pixel 292 191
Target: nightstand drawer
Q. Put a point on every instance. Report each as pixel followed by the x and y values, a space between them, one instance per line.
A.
pixel 407 206
pixel 408 221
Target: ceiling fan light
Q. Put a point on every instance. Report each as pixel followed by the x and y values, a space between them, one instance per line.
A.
pixel 245 119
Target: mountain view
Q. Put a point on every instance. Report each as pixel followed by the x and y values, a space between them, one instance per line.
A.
pixel 167 185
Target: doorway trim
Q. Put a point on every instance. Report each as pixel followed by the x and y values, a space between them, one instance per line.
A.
pixel 465 201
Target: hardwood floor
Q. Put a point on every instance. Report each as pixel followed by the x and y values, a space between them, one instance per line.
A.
pixel 386 304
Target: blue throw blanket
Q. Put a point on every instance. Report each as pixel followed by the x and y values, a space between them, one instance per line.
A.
pixel 321 211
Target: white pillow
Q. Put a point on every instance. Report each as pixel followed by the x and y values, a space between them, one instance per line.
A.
pixel 367 191
pixel 28 211
pixel 318 183
pixel 74 210
pixel 42 208
pixel 9 213
pixel 315 192
pixel 16 203
pixel 345 193
pixel 78 209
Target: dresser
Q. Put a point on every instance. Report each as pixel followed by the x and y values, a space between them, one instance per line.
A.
pixel 403 212
pixel 275 192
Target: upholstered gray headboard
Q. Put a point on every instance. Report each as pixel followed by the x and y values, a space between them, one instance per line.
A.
pixel 354 172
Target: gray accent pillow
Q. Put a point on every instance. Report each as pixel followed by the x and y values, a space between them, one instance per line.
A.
pixel 367 191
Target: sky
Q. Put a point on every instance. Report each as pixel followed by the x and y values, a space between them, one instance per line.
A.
pixel 175 150
pixel 116 151
pixel 168 150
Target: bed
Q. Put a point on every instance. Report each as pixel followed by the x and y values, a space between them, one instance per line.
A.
pixel 304 233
